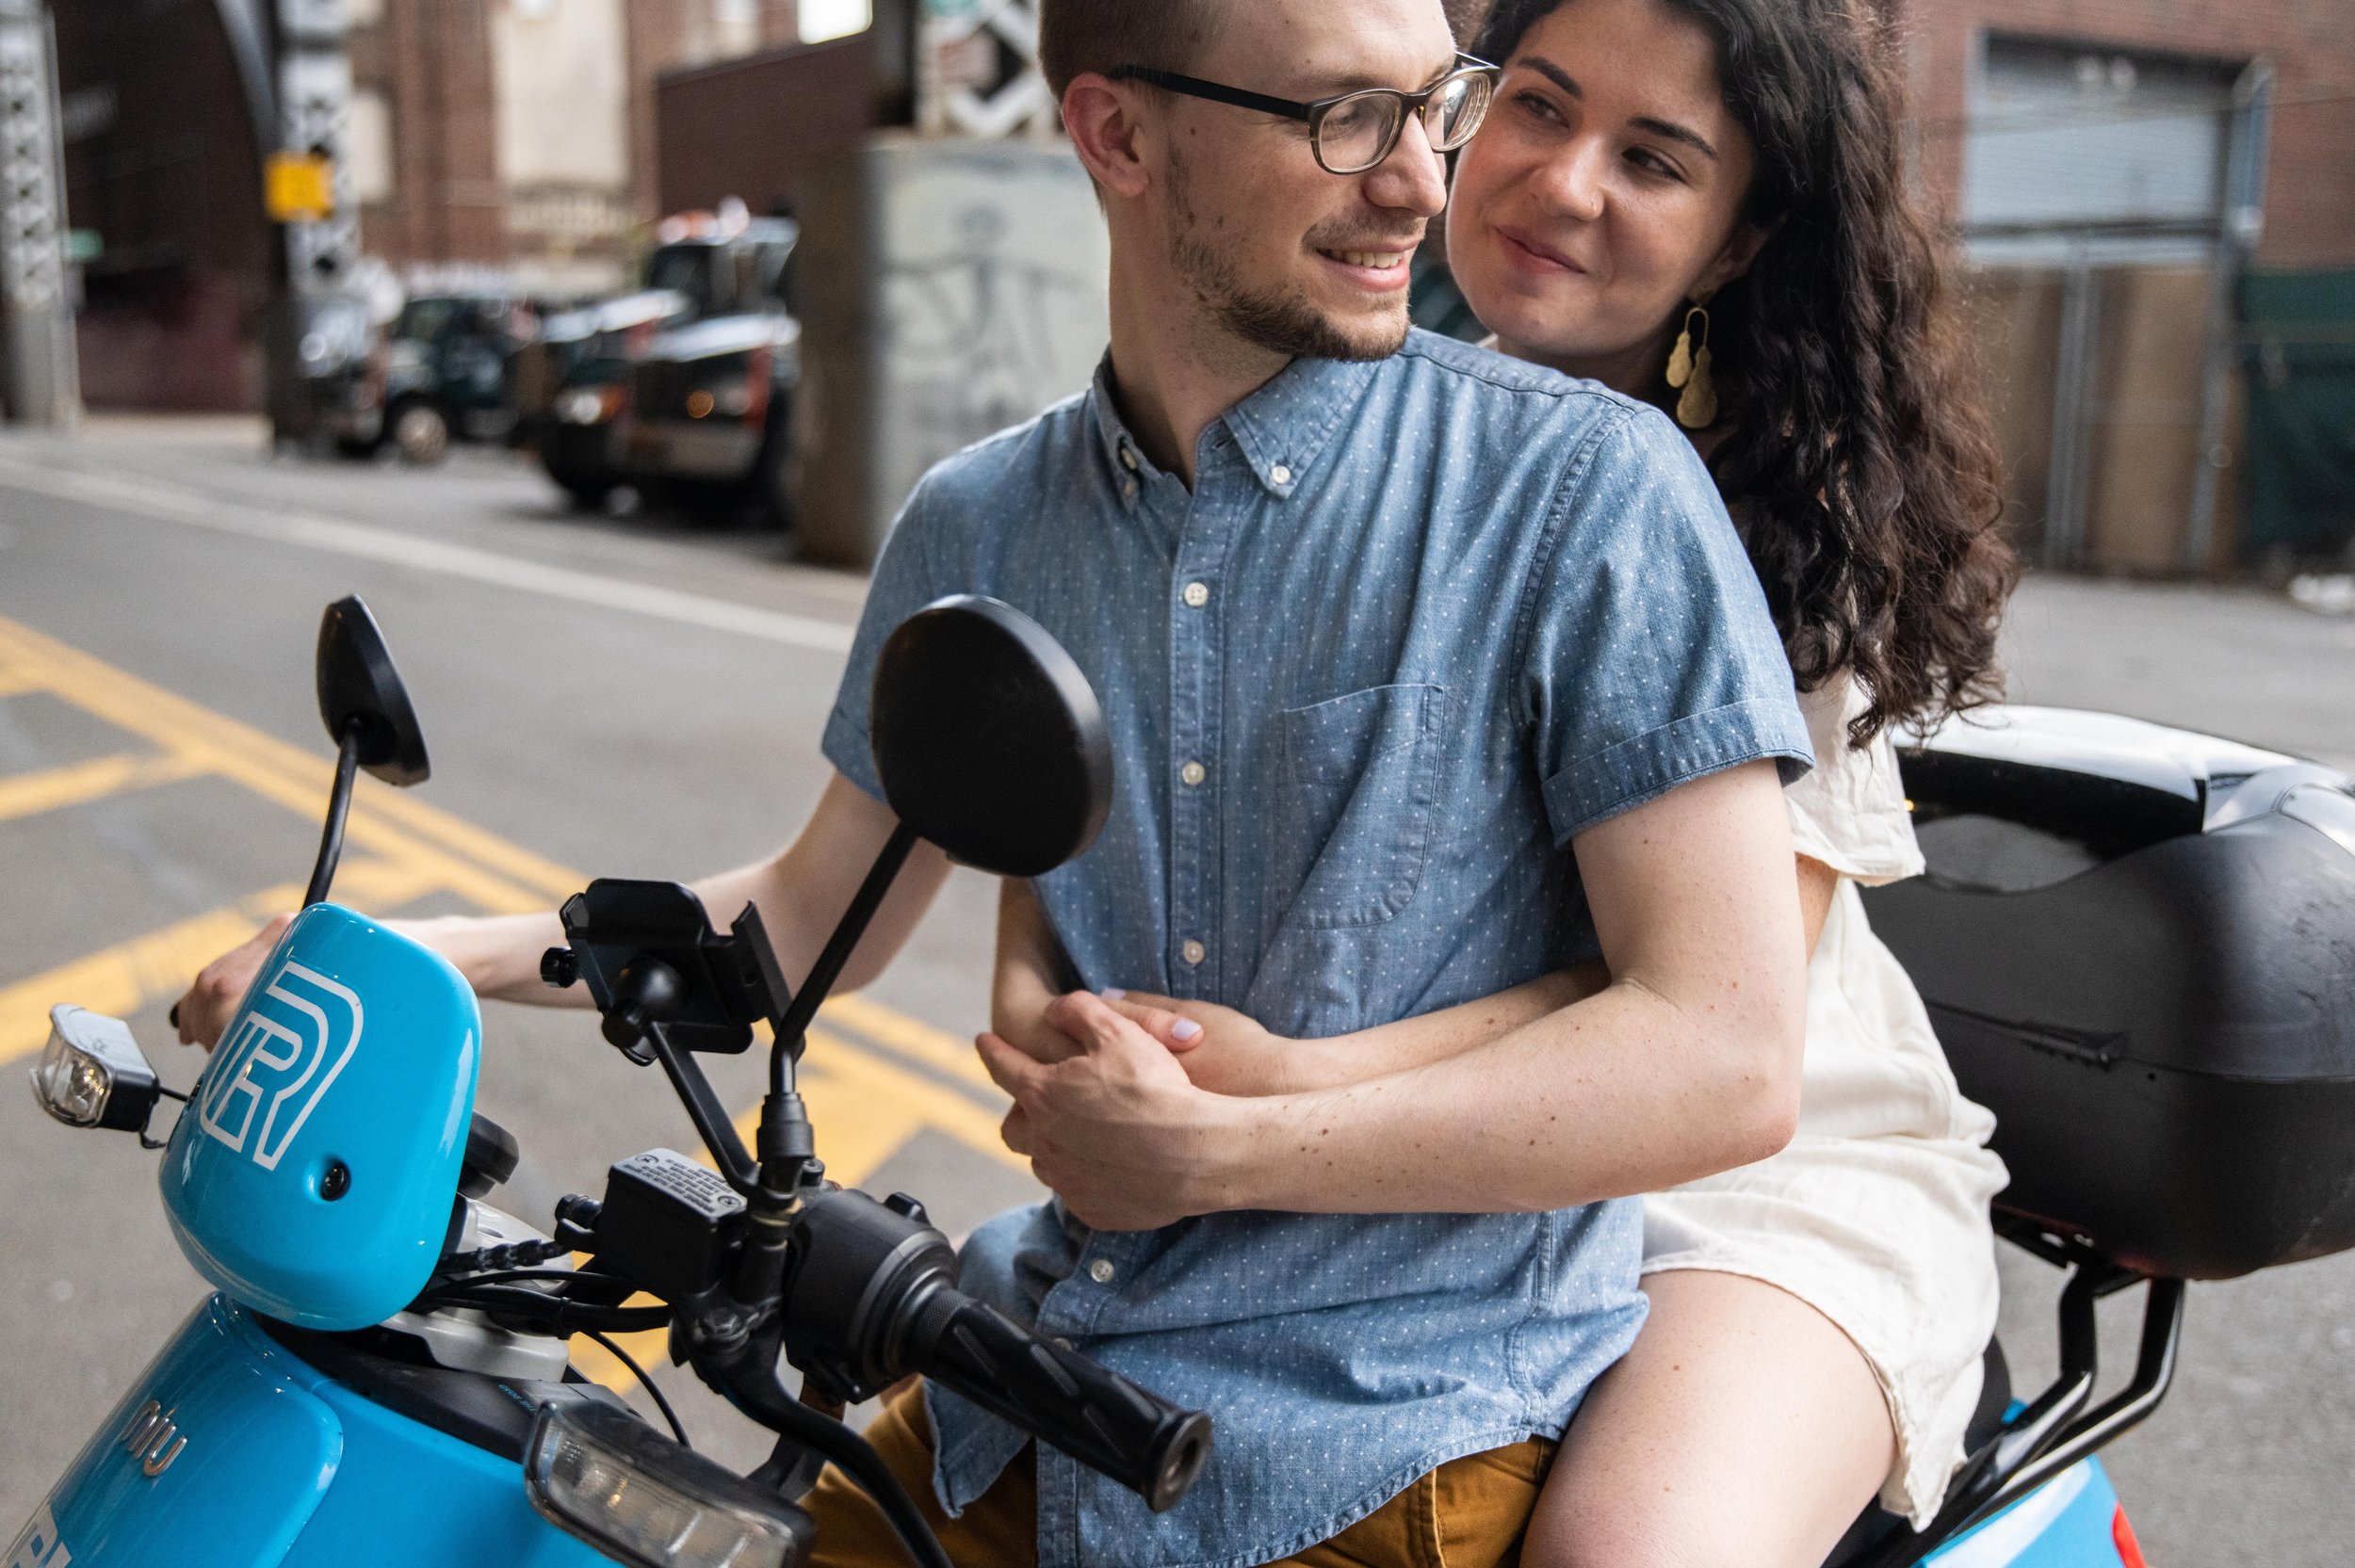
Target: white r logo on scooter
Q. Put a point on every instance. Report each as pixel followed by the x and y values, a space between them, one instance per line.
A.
pixel 297 1034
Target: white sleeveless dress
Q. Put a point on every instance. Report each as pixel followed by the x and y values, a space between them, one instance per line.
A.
pixel 1877 1213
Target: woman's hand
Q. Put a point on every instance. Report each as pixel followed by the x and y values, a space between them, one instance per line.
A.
pixel 1222 1050
pixel 1116 1129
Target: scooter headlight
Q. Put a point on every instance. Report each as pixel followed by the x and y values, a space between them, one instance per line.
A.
pixel 92 1073
pixel 606 1476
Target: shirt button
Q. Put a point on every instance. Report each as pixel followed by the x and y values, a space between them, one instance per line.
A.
pixel 1280 474
pixel 1127 489
pixel 1194 772
pixel 1129 456
pixel 1197 594
pixel 1193 952
pixel 1101 1270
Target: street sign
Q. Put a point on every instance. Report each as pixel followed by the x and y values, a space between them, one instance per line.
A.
pixel 298 188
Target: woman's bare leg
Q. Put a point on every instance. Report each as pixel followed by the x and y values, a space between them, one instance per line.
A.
pixel 1743 1431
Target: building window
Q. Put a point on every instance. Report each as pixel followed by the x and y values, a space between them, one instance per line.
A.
pixel 368 145
pixel 2077 151
pixel 821 20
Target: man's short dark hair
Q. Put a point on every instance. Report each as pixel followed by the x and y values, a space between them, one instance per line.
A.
pixel 1076 37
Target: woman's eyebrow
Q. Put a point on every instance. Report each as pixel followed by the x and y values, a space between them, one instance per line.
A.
pixel 1668 128
pixel 1552 72
pixel 1674 132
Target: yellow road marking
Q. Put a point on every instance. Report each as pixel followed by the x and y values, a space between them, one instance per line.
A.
pixel 486 871
pixel 935 1048
pixel 122 979
pixel 866 1107
pixel 54 788
pixel 871 1087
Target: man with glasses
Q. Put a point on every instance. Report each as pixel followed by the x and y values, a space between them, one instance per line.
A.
pixel 1428 673
pixel 1423 668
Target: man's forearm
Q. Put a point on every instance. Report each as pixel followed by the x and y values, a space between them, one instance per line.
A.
pixel 1623 1092
pixel 801 893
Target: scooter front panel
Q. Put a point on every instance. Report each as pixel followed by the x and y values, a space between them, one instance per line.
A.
pixel 312 1174
pixel 407 1495
pixel 218 1456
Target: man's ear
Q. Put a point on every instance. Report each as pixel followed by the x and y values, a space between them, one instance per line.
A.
pixel 1100 116
pixel 1740 252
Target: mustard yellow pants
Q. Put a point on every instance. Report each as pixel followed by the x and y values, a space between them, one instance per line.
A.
pixel 1469 1512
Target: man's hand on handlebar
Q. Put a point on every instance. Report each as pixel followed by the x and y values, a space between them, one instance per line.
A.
pixel 220 985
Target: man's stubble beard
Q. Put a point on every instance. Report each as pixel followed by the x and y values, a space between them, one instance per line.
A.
pixel 1281 322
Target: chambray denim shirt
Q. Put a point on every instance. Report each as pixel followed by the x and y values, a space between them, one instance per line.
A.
pixel 1419 622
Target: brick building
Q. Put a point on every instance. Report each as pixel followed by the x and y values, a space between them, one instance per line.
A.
pixel 519 133
pixel 514 135
pixel 2310 44
pixel 2116 171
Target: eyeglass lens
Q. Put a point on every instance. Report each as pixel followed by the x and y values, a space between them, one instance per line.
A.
pixel 1358 131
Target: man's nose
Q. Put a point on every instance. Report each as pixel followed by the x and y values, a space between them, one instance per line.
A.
pixel 1413 178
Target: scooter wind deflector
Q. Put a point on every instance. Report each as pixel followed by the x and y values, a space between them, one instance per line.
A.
pixel 313 1175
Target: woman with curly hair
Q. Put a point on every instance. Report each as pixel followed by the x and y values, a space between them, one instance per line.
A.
pixel 1701 204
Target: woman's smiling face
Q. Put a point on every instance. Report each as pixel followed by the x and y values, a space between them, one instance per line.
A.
pixel 1605 189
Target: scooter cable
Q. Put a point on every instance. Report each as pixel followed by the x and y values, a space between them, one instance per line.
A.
pixel 643 1382
pixel 568 1315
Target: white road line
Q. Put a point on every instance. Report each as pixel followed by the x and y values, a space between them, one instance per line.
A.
pixel 366 541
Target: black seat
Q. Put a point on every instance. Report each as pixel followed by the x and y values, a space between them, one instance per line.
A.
pixel 1876 1524
pixel 2131 940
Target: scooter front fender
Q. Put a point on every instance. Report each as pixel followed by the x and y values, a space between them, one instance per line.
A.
pixel 220 1454
pixel 230 1451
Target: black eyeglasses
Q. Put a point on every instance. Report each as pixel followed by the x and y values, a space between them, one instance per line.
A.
pixel 1355 131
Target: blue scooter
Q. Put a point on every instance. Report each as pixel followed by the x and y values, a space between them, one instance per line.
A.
pixel 383 1375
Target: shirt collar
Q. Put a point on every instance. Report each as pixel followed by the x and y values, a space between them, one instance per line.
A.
pixel 1283 427
pixel 1280 428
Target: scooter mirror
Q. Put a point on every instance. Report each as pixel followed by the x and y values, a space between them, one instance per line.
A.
pixel 989 739
pixel 360 691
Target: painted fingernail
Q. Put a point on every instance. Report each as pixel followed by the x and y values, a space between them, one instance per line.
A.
pixel 1112 994
pixel 1185 1029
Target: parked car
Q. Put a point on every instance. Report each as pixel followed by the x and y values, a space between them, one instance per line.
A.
pixel 341 352
pixel 690 405
pixel 445 370
pixel 569 385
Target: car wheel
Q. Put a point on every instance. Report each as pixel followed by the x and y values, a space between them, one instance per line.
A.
pixel 420 434
pixel 586 494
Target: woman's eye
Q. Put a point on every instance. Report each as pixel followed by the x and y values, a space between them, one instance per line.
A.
pixel 1536 104
pixel 1652 163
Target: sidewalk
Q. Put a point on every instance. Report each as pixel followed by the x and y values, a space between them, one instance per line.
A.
pixel 2240 662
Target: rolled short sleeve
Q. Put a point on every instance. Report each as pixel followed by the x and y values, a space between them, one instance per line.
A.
pixel 1851 813
pixel 1649 657
pixel 904 581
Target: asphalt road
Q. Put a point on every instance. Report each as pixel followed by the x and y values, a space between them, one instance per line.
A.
pixel 635 697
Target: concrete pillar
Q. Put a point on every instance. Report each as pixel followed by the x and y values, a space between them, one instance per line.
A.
pixel 39 377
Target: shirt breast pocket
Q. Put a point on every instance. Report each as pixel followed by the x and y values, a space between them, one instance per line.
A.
pixel 1359 802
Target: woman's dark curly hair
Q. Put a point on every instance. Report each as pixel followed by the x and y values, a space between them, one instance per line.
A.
pixel 1860 464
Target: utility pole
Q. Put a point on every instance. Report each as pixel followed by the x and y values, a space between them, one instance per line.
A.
pixel 307 188
pixel 39 373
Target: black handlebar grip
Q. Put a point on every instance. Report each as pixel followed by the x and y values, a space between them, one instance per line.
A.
pixel 1057 1395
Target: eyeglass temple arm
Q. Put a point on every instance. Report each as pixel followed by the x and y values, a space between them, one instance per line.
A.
pixel 1194 87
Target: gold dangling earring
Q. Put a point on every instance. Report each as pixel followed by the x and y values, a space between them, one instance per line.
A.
pixel 1688 368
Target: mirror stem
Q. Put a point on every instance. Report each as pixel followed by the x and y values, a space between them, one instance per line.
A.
pixel 338 808
pixel 839 948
